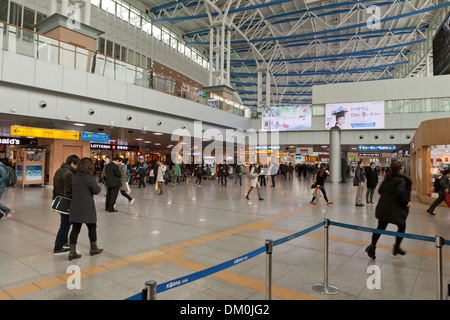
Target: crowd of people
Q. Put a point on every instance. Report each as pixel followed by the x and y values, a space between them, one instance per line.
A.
pixel 79 180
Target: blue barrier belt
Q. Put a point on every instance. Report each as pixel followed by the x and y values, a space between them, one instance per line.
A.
pixel 298 234
pixel 204 273
pixel 391 233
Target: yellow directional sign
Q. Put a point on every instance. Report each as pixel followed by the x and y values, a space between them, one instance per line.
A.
pixel 44 133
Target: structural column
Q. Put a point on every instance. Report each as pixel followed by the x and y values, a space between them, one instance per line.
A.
pixel 335 155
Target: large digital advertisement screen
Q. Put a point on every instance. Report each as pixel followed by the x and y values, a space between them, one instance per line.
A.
pixel 355 116
pixel 287 118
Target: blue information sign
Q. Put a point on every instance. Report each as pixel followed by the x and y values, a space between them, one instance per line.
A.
pixel 96 137
pixel 387 148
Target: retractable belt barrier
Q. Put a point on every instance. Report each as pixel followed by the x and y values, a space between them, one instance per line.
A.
pixel 151 288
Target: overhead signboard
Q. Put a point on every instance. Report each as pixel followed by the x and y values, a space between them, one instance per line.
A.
pixel 355 116
pixel 287 118
pixel 388 148
pixel 369 154
pixel 95 137
pixel 44 133
pixel 266 148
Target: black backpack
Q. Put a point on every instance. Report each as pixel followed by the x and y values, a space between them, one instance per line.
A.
pixel 437 184
pixel 238 169
pixel 12 177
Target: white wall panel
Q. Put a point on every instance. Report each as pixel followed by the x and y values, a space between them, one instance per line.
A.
pixel 392 89
pixel 97 107
pixel 1 65
pixel 74 81
pixel 135 95
pixel 68 109
pixel 125 114
pixel 48 76
pixel 34 108
pixel 97 87
pixel 165 102
pixel 151 99
pixel 18 69
pixel 14 100
pixel 117 91
pixel 408 120
pixel 111 115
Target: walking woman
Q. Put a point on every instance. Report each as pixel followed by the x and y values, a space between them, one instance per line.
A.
pixel 393 206
pixel 160 176
pixel 82 209
pixel 319 181
pixel 372 181
pixel 253 174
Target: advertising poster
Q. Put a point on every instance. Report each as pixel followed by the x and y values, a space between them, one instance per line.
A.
pixel 34 173
pixel 19 173
pixel 287 118
pixel 355 116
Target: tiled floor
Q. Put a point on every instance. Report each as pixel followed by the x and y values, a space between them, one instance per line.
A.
pixel 188 229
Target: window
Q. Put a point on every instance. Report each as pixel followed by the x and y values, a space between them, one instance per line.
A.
pixel 109 48
pixel 15 14
pixel 117 51
pixel 135 18
pixel 101 45
pixel 146 26
pixel 4 10
pixel 122 12
pixel 109 6
pixel 124 55
pixel 96 3
pixel 28 19
pixel 156 32
pixel 166 38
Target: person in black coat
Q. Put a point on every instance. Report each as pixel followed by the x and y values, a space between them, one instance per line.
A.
pixel 82 210
pixel 319 182
pixel 372 181
pixel 112 183
pixel 393 206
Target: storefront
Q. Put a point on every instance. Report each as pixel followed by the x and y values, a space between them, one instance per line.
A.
pixel 100 150
pixel 9 145
pixel 430 154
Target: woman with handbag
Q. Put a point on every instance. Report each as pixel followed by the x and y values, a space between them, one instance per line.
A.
pixel 393 206
pixel 253 174
pixel 161 176
pixel 319 185
pixel 82 210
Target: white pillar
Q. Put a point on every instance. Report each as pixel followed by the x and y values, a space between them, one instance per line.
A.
pixel 222 55
pixel 87 12
pixel 211 56
pixel 229 57
pixel 216 48
pixel 53 7
pixel 259 89
pixel 64 7
pixel 268 88
pixel 335 156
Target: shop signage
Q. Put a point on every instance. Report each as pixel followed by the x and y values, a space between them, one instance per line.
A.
pixel 388 148
pixel 104 146
pixel 15 141
pixel 44 133
pixel 266 148
pixel 95 137
pixel 311 159
pixel 304 150
pixel 369 154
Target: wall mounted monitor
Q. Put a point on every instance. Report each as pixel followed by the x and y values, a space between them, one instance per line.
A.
pixel 441 49
pixel 287 118
pixel 355 116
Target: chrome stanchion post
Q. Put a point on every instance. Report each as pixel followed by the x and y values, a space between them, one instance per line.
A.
pixel 150 290
pixel 324 287
pixel 439 244
pixel 269 250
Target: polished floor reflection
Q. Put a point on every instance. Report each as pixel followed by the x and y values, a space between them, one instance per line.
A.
pixel 188 228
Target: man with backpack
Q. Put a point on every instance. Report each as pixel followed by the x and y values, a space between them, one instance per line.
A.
pixel 5 181
pixel 225 173
pixel 441 186
pixel 238 170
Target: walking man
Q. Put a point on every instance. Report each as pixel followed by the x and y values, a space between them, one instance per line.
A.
pixel 112 183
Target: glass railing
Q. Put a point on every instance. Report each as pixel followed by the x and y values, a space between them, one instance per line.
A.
pixel 25 42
